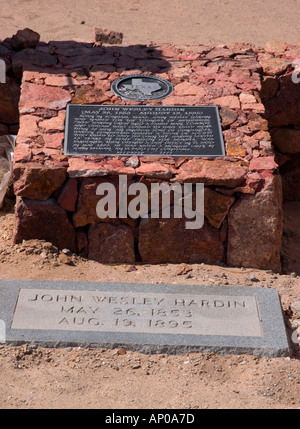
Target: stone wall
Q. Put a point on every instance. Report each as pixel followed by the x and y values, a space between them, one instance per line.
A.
pixel 56 194
pixel 281 97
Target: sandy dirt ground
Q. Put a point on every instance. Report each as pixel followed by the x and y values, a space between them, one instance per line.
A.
pixel 35 377
pixel 141 21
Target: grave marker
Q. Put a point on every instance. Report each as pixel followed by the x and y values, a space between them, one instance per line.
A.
pixel 144 317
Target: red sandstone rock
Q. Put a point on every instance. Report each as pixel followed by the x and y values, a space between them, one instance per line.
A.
pixel 98 73
pixel 53 80
pixel 155 170
pixel 233 133
pixel 89 95
pixel 230 101
pixel 217 172
pixel 178 74
pixel 43 220
pixel 243 79
pixel 164 160
pixel 56 123
pixel 9 99
pixel 167 241
pixel 292 52
pixel 257 123
pixel 165 50
pixel 50 153
pixel 33 76
pixel 263 163
pixel 254 107
pixel 247 98
pixel 41 75
pixel 261 56
pixel 189 56
pixel 102 85
pixel 88 199
pixel 26 38
pixel 249 63
pixel 253 179
pixel 57 159
pixel 54 141
pixel 79 167
pixel 262 135
pixel 188 100
pixel 204 74
pixel 29 126
pixel 218 90
pixel 253 182
pixel 68 197
pixel 251 84
pixel 34 96
pixel 228 116
pixel 219 52
pixel 104 35
pixel 216 207
pixel 234 148
pixel 284 109
pixel 111 244
pixel 37 182
pixel 275 66
pixel 275 46
pixel 132 161
pixel 255 222
pixel 22 152
pixel 187 88
pixel 241 47
pixel 116 167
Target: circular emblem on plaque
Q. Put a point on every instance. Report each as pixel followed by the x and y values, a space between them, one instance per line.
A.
pixel 141 87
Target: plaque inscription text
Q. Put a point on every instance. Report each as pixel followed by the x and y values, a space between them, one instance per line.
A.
pixel 143 130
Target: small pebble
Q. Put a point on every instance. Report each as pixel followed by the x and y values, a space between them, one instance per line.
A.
pixel 67 252
pixel 136 366
pixel 253 278
pixel 65 259
pixel 295 307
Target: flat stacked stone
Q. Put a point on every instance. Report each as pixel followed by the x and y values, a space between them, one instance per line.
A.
pixel 243 195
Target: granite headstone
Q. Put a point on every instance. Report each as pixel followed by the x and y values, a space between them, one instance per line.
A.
pixel 144 317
